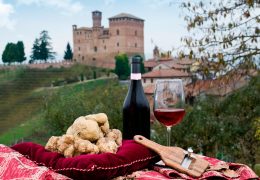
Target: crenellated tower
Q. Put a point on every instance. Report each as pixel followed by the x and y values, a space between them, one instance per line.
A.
pixel 96 18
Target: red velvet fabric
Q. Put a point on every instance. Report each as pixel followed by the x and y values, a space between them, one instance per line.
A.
pixel 130 157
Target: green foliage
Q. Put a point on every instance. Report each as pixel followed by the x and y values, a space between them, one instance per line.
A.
pixel 64 107
pixel 24 131
pixel 13 53
pixel 122 68
pixel 68 53
pixel 141 64
pixel 21 54
pixel 6 54
pixel 257 125
pixel 45 46
pixel 42 49
pixel 35 50
pixel 221 128
pixel 17 87
pixel 257 169
pixel 94 75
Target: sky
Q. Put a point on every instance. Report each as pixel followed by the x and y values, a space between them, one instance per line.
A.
pixel 23 20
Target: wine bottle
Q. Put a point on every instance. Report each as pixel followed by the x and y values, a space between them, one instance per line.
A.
pixel 136 109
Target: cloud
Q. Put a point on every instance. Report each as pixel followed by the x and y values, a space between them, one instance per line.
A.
pixel 159 3
pixel 5 12
pixel 109 2
pixel 67 7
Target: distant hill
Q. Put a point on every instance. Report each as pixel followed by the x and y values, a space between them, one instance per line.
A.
pixel 18 98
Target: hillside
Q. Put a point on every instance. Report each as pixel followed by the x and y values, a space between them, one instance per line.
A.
pixel 19 100
pixel 223 128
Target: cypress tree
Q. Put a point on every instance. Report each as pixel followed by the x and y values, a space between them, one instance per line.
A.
pixel 68 53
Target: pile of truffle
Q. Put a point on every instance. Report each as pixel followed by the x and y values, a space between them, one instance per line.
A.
pixel 87 135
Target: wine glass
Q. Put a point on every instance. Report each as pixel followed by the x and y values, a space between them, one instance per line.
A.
pixel 169 103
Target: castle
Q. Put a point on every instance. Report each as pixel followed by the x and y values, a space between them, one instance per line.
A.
pixel 98 46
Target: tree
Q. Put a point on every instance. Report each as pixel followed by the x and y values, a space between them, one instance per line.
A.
pixel 122 68
pixel 68 53
pixel 35 50
pixel 10 53
pixel 223 31
pixel 14 53
pixel 42 49
pixel 5 52
pixel 20 49
pixel 45 46
pixel 142 65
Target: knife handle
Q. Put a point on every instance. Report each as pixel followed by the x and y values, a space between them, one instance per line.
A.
pixel 148 143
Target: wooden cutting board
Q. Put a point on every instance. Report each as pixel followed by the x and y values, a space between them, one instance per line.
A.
pixel 174 157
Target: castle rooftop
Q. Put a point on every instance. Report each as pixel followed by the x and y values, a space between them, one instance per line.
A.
pixel 125 15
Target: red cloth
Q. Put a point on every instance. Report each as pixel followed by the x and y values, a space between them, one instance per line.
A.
pixel 130 157
pixel 217 170
pixel 14 165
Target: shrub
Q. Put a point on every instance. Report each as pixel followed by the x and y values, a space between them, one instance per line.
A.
pixel 72 79
pixel 257 169
pixel 69 103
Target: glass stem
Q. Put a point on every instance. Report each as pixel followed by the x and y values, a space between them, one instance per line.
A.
pixel 168 135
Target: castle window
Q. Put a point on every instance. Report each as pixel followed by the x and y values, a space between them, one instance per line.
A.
pixel 135 33
pixel 105 47
pixel 135 44
pixel 151 80
pixel 103 41
pixel 77 33
pixel 82 57
pixel 117 32
pixel 94 59
pixel 79 48
pixel 80 32
pixel 117 44
pixel 144 80
pixel 95 48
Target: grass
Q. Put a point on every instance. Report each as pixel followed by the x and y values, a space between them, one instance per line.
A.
pixel 26 119
pixel 18 99
pixel 22 131
pixel 257 169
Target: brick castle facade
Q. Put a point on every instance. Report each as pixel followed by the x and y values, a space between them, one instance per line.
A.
pixel 97 46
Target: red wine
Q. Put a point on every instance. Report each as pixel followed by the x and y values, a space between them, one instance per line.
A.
pixel 169 117
pixel 136 109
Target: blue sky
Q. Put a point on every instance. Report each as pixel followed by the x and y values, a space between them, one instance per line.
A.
pixel 25 19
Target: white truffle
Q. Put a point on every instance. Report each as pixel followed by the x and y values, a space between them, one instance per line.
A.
pixel 106 145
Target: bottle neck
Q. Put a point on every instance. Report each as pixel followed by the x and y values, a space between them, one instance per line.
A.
pixel 135 71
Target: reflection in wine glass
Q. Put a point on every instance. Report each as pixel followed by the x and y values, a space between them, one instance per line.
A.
pixel 169 103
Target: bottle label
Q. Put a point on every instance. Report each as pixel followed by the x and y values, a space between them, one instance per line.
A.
pixel 136 76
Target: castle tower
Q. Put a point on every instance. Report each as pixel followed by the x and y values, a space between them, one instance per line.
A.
pixel 96 17
pixel 126 34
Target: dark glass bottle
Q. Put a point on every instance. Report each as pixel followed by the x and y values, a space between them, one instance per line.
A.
pixel 136 109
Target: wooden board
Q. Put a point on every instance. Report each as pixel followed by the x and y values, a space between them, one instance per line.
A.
pixel 174 156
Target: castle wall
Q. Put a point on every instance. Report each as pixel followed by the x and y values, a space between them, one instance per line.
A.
pixel 97 46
